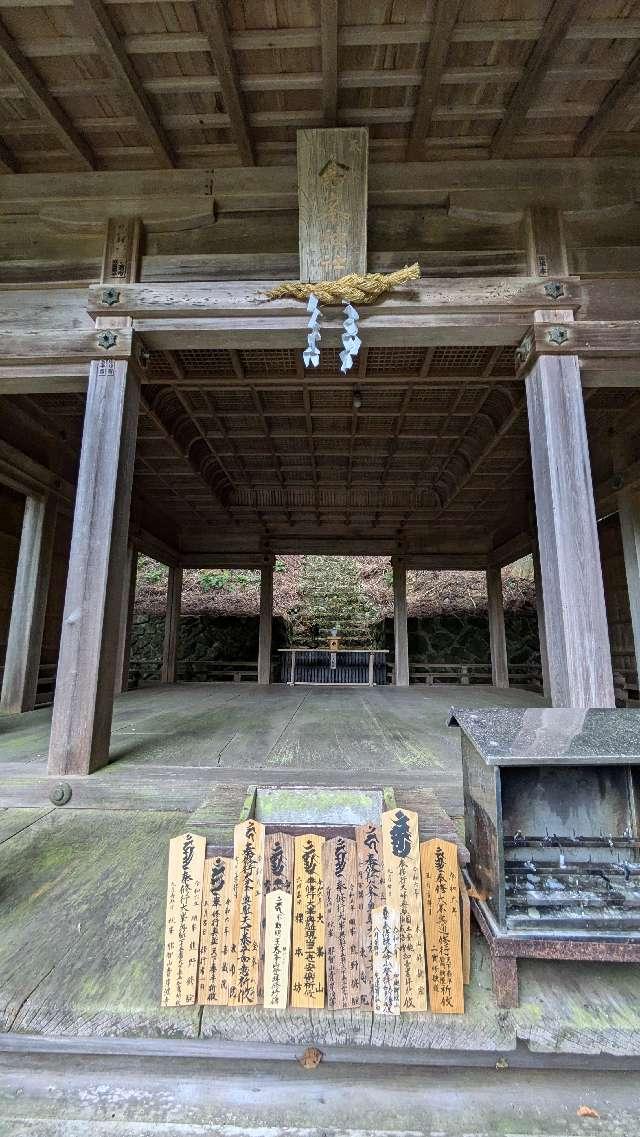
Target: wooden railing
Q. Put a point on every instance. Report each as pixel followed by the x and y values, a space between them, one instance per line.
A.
pixel 526 675
pixel 217 670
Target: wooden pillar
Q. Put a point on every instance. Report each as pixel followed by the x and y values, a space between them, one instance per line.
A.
pixel 171 625
pixel 83 704
pixel 497 637
pixel 542 634
pixel 575 619
pixel 26 627
pixel 629 517
pixel 266 623
pixel 401 642
pixel 126 620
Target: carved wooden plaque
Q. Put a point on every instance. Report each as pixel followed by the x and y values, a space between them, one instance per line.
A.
pixel 215 931
pixel 278 874
pixel 341 932
pixel 385 950
pixel 277 945
pixel 307 966
pixel 371 894
pixel 182 924
pixel 401 855
pixel 248 858
pixel 440 891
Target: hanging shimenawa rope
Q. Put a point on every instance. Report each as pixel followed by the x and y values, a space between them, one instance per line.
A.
pixel 357 288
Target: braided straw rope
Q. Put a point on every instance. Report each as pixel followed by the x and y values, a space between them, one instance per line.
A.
pixel 358 288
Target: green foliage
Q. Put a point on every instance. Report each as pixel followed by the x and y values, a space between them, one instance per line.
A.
pixel 229 579
pixel 331 595
pixel 150 571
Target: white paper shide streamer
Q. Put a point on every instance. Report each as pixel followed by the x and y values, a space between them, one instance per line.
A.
pixel 351 342
pixel 311 353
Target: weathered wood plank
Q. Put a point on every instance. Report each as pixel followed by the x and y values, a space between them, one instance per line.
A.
pixel 370 895
pixel 185 873
pixel 400 632
pixel 497 636
pixel 341 930
pixel 308 940
pixel 332 193
pixel 385 953
pixel 277 949
pixel 246 931
pixel 168 671
pixel 265 626
pixel 401 855
pixel 442 931
pixel 215 932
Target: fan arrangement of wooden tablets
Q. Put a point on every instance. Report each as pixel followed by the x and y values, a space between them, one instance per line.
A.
pixel 371 922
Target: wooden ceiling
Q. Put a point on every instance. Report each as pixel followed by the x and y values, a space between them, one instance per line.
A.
pixel 421 450
pixel 131 84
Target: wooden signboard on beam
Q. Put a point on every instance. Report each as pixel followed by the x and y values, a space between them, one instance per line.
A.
pixel 401 854
pixel 215 931
pixel 248 861
pixel 307 966
pixel 332 202
pixel 441 900
pixel 182 925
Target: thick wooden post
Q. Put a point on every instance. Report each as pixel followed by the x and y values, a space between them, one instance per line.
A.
pixel 26 627
pixel 629 516
pixel 126 619
pixel 542 634
pixel 266 623
pixel 577 635
pixel 401 642
pixel 171 625
pixel 497 637
pixel 83 703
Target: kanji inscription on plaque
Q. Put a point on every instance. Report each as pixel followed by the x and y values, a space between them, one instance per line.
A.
pixel 341 932
pixel 215 931
pixel 248 858
pixel 277 948
pixel 307 966
pixel 441 899
pixel 182 924
pixel 385 951
pixel 401 856
pixel 371 894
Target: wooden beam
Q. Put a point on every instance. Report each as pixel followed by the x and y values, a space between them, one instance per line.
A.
pixel 589 339
pixel 629 517
pixel 28 608
pixel 8 163
pixel 542 56
pixel 401 642
pixel 171 625
pixel 497 637
pixel 332 197
pixel 213 19
pixel 444 19
pixel 542 627
pixel 83 705
pixel 266 624
pixel 41 347
pixel 329 38
pixel 613 110
pixel 27 79
pixel 111 48
pixel 545 243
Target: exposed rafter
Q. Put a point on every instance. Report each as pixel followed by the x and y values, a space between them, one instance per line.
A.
pixel 98 20
pixel 27 79
pixel 8 163
pixel 541 58
pixel 612 111
pixel 214 23
pixel 446 14
pixel 329 33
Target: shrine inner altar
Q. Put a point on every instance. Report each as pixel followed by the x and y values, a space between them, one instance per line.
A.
pixel 324 665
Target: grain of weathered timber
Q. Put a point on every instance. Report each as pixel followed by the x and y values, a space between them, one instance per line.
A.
pixel 371 894
pixel 28 607
pixel 265 625
pixel 200 300
pixel 100 25
pixel 246 930
pixel 121 252
pixel 308 938
pixel 332 193
pixel 329 44
pixel 545 242
pixel 497 637
pixel 81 723
pixel 585 338
pixel 341 929
pixel 185 873
pixel 37 347
pixel 213 17
pixel 542 628
pixel 168 672
pixel 444 19
pixel 401 642
pixel 574 611
pixel 614 110
pixel 465 928
pixel 215 931
pixel 15 64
